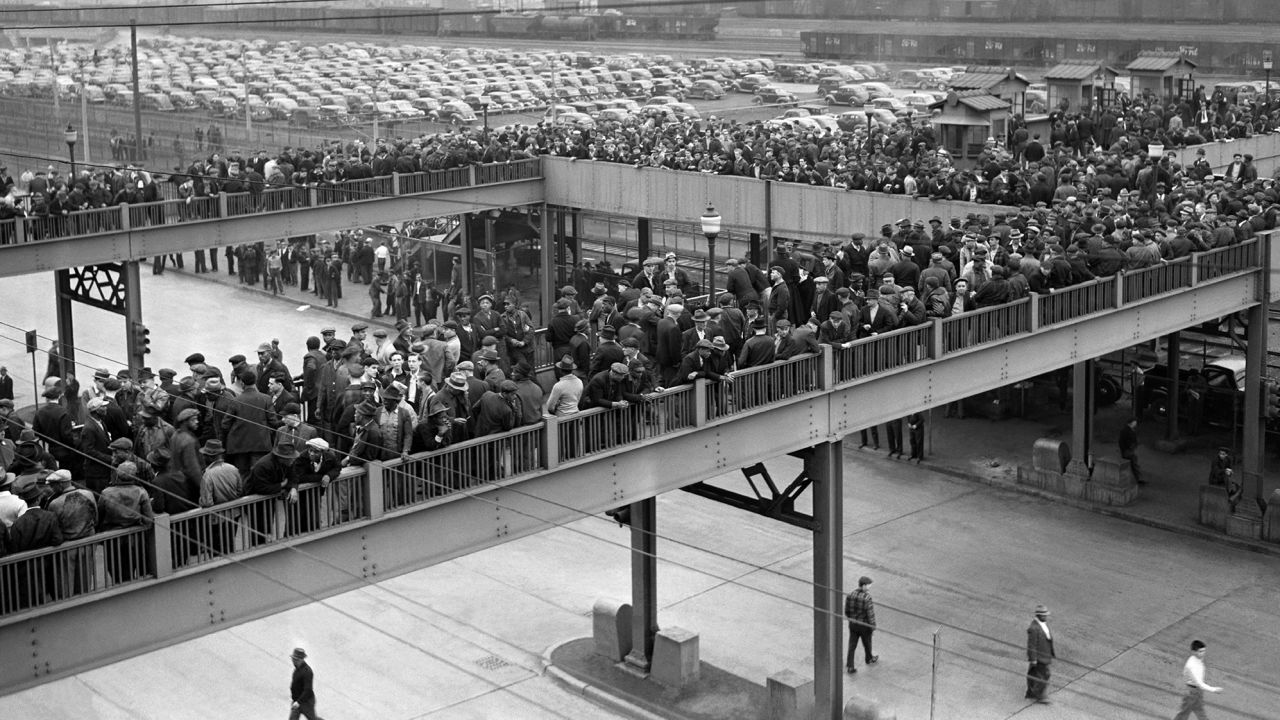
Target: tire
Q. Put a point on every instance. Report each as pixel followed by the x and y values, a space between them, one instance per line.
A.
pixel 1107 392
pixel 830 100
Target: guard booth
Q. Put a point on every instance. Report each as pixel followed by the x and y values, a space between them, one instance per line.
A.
pixel 966 120
pixel 1080 86
pixel 1161 74
pixel 1004 83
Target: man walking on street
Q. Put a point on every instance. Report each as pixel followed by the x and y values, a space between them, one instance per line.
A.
pixel 1039 656
pixel 1193 676
pixel 1129 447
pixel 301 690
pixel 860 611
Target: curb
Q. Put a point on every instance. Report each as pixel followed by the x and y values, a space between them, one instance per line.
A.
pixel 258 290
pixel 1257 546
pixel 599 695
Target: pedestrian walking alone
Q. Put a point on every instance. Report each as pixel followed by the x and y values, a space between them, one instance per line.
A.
pixel 1193 676
pixel 1040 655
pixel 860 611
pixel 1129 447
pixel 300 689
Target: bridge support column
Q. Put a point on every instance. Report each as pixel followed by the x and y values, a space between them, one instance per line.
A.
pixel 1174 343
pixel 1083 382
pixel 825 466
pixel 464 258
pixel 66 325
pixel 644 584
pixel 1246 517
pixel 133 315
pixel 644 239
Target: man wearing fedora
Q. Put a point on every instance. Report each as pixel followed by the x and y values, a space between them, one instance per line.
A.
pixel 301 689
pixel 220 483
pixel 1039 655
pixel 274 474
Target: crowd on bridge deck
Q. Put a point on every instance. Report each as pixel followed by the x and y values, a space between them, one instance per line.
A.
pixel 902 158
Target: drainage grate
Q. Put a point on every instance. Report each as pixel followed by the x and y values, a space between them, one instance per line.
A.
pixel 492 663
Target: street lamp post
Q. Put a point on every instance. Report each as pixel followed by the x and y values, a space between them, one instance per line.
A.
pixel 1267 65
pixel 71 136
pixel 869 109
pixel 484 110
pixel 711 228
pixel 1098 79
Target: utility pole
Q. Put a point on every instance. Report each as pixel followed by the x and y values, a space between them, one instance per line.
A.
pixel 137 94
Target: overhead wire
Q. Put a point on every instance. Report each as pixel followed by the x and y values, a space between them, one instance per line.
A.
pixel 736 580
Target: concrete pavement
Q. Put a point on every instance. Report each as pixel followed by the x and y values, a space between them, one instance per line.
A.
pixel 969 560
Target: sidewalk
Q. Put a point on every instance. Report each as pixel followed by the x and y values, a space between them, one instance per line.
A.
pixel 990 451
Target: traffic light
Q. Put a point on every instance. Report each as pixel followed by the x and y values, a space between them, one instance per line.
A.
pixel 621 514
pixel 141 338
pixel 1271 398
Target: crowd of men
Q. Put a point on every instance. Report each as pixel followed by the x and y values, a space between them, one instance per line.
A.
pixel 453 369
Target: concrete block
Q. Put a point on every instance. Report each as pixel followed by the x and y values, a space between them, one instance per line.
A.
pixel 676 661
pixel 860 708
pixel 1115 472
pixel 1050 454
pixel 790 696
pixel 1271 518
pixel 1244 526
pixel 1214 508
pixel 611 629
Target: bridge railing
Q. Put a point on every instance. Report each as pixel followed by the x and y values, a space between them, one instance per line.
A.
pixel 117 218
pixel 1158 279
pixel 35 579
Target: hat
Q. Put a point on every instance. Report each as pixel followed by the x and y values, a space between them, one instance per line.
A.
pixel 457 381
pixel 265 348
pixel 6 402
pixel 563 304
pixel 111 384
pixel 618 368
pixel 783 324
pixel 778 268
pixel 465 365
pixel 566 363
pixel 27 437
pixel 653 261
pixel 379 333
pixel 236 359
pixel 194 359
pixel 6 479
pixel 581 325
pixel 159 456
pixel 402 325
pixel 212 447
pixel 328 331
pixel 488 354
pixel 1042 610
pixel 359 326
pixel 631 342
pixel 336 344
pixel 299 653
pixel 318 443
pixel 167 373
pixel 101 374
pixel 568 290
pixel 608 332
pixel 821 279
pixel 30 492
pixel 507 386
pixel 908 250
pixel 864 580
pixel 285 450
pixel 391 392
pixel 700 315
pixel 704 343
pixel 757 324
pixel 61 476
pixel 127 470
pixel 486 296
pixel 96 403
pixel 52 393
pixel 186 384
pixel 121 444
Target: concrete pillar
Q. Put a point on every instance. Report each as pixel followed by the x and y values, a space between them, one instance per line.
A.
pixel 547 276
pixel 676 659
pixel 644 583
pixel 790 696
pixel 1083 379
pixel 753 249
pixel 644 239
pixel 464 258
pixel 1254 456
pixel 611 629
pixel 1174 361
pixel 825 466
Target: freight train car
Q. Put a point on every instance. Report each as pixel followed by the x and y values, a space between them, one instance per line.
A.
pixel 1136 11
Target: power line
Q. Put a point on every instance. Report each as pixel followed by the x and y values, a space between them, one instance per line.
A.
pixel 735 581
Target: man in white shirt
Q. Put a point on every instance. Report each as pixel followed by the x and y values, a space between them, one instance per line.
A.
pixel 1193 676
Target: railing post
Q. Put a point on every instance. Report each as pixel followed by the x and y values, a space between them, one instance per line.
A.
pixel 19 231
pixel 373 490
pixel 313 197
pixel 223 206
pixel 826 368
pixel 935 337
pixel 1035 311
pixel 1195 268
pixel 395 183
pixel 279 518
pixel 161 550
pixel 124 216
pixel 700 402
pixel 551 442
pixel 1119 276
pixel 471 175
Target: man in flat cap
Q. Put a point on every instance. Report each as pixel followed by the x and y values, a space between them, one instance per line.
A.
pixel 860 611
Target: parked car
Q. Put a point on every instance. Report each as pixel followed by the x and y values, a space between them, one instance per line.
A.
pixel 751 83
pixel 456 112
pixel 773 95
pixel 1223 401
pixel 848 95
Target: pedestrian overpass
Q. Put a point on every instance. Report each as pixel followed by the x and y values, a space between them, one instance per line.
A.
pixel 62 612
